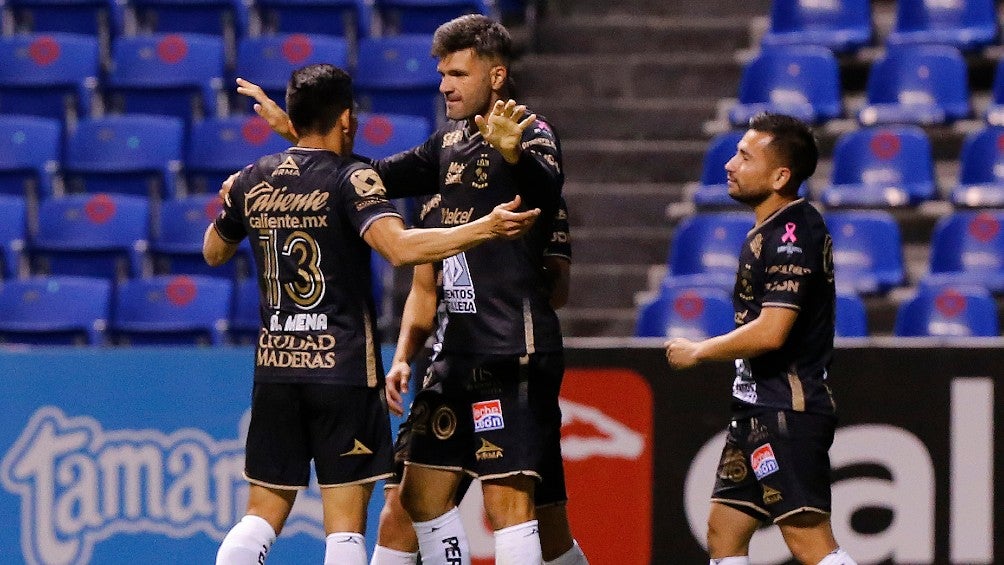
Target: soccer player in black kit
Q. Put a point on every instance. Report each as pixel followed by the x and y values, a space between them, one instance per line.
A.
pixel 423 323
pixel 775 465
pixel 312 214
pixel 502 359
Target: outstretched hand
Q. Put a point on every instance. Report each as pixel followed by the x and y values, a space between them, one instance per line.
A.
pixel 505 222
pixel 504 126
pixel 265 107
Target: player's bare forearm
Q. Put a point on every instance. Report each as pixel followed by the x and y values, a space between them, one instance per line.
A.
pixel 411 247
pixel 767 332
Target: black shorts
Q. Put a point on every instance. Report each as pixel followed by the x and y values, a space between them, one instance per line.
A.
pixel 551 489
pixel 776 464
pixel 492 417
pixel 344 429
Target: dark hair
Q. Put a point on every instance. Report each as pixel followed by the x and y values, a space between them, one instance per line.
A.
pixel 315 96
pixel 793 142
pixel 486 36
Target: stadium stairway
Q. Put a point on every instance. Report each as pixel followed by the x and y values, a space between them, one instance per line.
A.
pixel 629 86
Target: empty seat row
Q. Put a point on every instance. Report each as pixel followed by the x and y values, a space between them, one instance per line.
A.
pixel 152 156
pixel 967 248
pixel 914 84
pixel 116 238
pixel 847 25
pixel 164 310
pixel 950 311
pixel 184 75
pixel 347 18
pixel 883 167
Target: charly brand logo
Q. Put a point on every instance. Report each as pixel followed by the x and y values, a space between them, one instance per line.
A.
pixel 81 484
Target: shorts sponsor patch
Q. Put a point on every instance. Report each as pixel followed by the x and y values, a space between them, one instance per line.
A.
pixel 488 415
pixel 763 461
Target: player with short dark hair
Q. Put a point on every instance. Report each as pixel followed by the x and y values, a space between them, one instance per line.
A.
pixel 775 465
pixel 312 214
pixel 496 403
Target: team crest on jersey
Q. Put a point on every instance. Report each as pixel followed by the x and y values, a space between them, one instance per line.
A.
pixel 367 183
pixel 481 172
pixel 452 138
pixel 763 461
pixel 488 415
pixel 288 167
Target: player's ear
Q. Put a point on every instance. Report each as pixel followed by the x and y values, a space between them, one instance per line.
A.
pixel 499 74
pixel 781 177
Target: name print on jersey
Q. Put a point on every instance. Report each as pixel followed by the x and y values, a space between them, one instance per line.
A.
pixel 458 287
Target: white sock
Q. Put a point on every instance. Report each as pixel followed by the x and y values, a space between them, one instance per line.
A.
pixel 838 557
pixel 739 560
pixel 442 540
pixel 387 556
pixel 573 556
pixel 518 545
pixel 345 548
pixel 247 543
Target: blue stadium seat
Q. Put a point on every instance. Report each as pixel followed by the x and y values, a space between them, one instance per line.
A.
pixel 424 16
pixel 881 167
pixel 13 234
pixel 351 19
pixel 228 19
pixel 99 18
pixel 245 320
pixel 995 109
pixel 981 170
pixel 218 147
pixel 382 135
pixel 171 310
pixel 171 74
pixel 30 149
pixel 694 313
pixel 177 234
pixel 968 247
pixel 134 154
pixel 867 251
pixel 709 243
pixel 269 60
pixel 842 25
pixel 713 190
pixel 917 84
pixel 54 311
pixel 95 235
pixel 851 318
pixel 798 80
pixel 964 24
pixel 51 74
pixel 949 312
pixel 398 75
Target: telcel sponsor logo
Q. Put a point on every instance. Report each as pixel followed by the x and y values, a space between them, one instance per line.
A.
pixel 80 484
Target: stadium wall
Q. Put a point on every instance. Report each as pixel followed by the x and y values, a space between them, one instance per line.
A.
pixel 111 454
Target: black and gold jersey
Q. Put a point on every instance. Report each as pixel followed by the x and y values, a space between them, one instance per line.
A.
pixel 496 294
pixel 787 262
pixel 304 212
